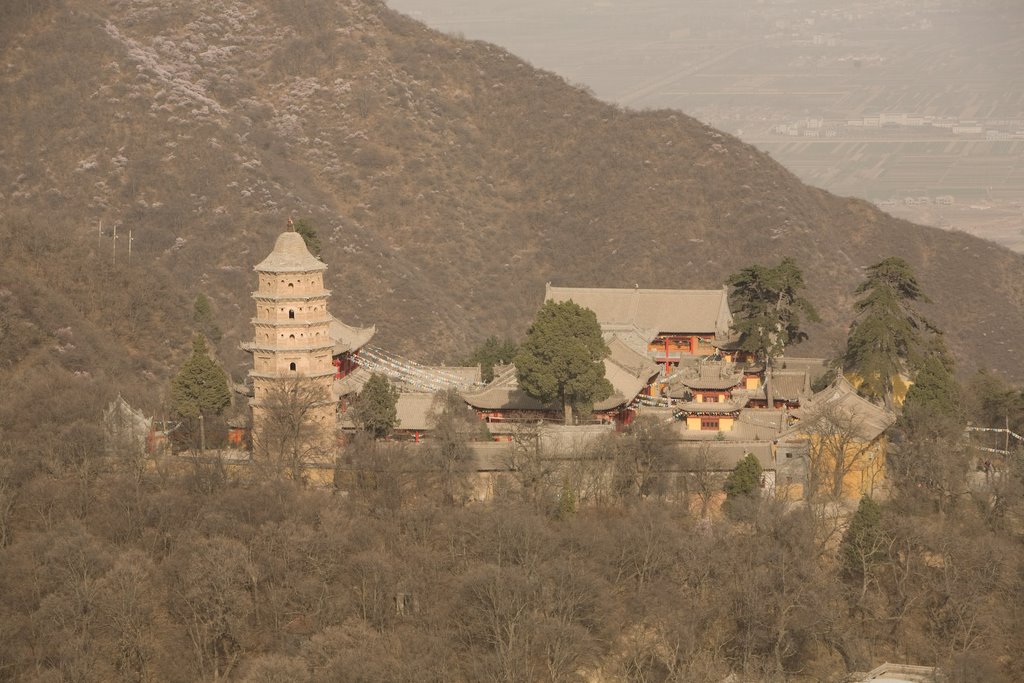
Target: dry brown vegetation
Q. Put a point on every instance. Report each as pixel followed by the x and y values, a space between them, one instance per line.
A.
pixel 206 571
pixel 448 179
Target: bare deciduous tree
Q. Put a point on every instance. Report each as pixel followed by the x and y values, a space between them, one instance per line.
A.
pixel 289 434
pixel 454 424
pixel 208 583
pixel 837 447
pixel 702 478
pixel 642 457
pixel 534 469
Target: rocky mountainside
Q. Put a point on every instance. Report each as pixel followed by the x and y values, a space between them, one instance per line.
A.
pixel 449 181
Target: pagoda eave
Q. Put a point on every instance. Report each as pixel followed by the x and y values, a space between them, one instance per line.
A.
pixel 266 296
pixel 253 347
pixel 289 322
pixel 305 375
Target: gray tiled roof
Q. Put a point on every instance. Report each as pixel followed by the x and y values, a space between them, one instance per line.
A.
pixel 703 311
pixel 352 383
pixel 706 375
pixel 814 367
pixel 348 338
pixel 759 424
pixel 840 401
pixel 290 255
pixel 790 385
pixel 414 411
pixel 492 456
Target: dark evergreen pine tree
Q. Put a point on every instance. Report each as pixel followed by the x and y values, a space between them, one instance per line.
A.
pixel 743 487
pixel 887 335
pixel 200 388
pixel 768 306
pixel 560 360
pixel 309 236
pixel 935 395
pixel 204 318
pixel 863 543
pixel 490 353
pixel 376 407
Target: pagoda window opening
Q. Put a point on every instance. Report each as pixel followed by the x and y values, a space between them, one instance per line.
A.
pixel 291 336
pixel 291 366
pixel 291 314
pixel 291 285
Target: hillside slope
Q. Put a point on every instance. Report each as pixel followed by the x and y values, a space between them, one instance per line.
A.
pixel 449 180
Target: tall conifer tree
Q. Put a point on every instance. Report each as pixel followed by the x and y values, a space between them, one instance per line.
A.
pixel 887 336
pixel 560 360
pixel 376 409
pixel 769 308
pixel 200 388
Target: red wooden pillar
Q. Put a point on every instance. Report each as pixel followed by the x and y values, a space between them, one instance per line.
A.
pixel 693 345
pixel 667 367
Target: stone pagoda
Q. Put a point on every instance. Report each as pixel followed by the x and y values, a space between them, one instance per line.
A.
pixel 292 348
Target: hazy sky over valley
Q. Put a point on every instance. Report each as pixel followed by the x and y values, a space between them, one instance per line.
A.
pixel 917 106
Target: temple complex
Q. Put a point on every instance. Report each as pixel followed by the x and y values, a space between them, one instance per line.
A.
pixel 671 353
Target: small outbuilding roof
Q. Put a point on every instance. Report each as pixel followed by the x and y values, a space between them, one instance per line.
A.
pixel 760 424
pixel 630 360
pixel 790 385
pixel 718 375
pixel 840 401
pixel 897 673
pixel 414 411
pixel 290 255
pixel 504 394
pixel 814 367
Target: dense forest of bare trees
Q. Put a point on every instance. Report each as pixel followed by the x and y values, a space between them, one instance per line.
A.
pixel 207 571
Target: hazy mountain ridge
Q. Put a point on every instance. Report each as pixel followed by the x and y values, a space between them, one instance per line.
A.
pixel 448 179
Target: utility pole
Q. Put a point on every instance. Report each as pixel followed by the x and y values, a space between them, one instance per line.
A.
pixel 99 237
pixel 113 259
pixel 1006 446
pixel 129 248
